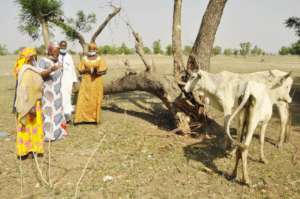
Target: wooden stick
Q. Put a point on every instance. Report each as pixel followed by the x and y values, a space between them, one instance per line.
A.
pixel 39 170
pixel 86 165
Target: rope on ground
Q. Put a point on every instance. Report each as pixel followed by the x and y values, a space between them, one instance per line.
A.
pixel 86 165
pixel 39 170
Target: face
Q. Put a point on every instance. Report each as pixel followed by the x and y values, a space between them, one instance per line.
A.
pixel 63 47
pixel 53 54
pixel 190 85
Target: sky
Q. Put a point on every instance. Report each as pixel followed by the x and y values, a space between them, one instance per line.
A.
pixel 260 22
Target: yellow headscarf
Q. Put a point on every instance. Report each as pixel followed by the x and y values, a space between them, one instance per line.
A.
pixel 23 58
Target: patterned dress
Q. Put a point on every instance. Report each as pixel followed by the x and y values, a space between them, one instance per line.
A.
pixel 54 119
pixel 30 137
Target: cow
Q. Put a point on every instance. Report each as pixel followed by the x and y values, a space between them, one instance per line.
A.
pixel 256 106
pixel 223 91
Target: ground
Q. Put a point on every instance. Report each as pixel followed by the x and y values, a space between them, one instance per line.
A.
pixel 140 157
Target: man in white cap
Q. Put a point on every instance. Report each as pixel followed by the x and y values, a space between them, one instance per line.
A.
pixel 68 79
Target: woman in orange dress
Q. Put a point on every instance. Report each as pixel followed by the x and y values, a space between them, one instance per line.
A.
pixel 91 68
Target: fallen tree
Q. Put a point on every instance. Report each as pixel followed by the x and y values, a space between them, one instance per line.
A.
pixel 168 88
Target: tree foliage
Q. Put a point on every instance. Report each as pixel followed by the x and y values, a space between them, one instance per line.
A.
pixel 257 51
pixel 81 23
pixel 35 12
pixel 3 50
pixel 157 47
pixel 228 52
pixel 294 23
pixel 187 50
pixel 245 48
pixel 169 50
pixel 217 50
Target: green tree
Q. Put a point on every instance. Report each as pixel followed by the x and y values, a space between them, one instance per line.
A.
pixel 256 51
pixel 245 48
pixel 295 48
pixel 187 50
pixel 217 50
pixel 147 50
pixel 228 52
pixel 236 52
pixel 294 23
pixel 3 50
pixel 36 16
pixel 284 50
pixel 169 50
pixel 157 47
pixel 124 50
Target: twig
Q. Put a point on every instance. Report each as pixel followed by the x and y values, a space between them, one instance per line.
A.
pixel 21 173
pixel 39 170
pixel 86 165
pixel 49 161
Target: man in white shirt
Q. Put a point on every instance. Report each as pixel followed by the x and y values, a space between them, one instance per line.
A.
pixel 68 79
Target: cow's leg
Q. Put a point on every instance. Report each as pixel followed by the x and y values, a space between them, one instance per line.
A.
pixel 262 141
pixel 283 109
pixel 227 113
pixel 237 159
pixel 252 124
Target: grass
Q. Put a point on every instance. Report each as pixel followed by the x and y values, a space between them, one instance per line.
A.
pixel 139 157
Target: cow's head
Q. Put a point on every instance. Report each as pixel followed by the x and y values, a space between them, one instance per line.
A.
pixel 192 81
pixel 283 85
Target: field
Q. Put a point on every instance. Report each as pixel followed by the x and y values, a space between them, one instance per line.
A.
pixel 140 157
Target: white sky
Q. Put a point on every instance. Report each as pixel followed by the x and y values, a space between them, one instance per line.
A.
pixel 257 21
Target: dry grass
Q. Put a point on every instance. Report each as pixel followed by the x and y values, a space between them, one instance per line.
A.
pixel 140 154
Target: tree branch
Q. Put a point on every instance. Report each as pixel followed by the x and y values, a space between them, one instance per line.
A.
pixel 202 48
pixel 71 32
pixel 106 21
pixel 139 48
pixel 176 40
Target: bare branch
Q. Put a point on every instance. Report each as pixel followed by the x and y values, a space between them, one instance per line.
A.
pixel 176 39
pixel 201 52
pixel 116 10
pixel 139 47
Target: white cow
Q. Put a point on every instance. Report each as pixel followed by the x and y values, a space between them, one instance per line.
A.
pixel 258 111
pixel 223 90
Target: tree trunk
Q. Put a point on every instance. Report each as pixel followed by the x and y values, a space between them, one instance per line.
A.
pixel 176 40
pixel 165 88
pixel 201 52
pixel 45 32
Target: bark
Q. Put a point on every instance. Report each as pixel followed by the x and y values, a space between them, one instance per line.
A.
pixel 45 32
pixel 165 88
pixel 176 40
pixel 202 48
pixel 106 21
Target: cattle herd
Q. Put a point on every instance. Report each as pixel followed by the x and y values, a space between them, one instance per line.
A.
pixel 255 94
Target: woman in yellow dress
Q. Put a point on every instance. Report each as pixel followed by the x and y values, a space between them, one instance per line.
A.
pixel 92 67
pixel 30 134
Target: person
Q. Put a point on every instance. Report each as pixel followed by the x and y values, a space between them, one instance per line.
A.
pixel 92 68
pixel 30 134
pixel 54 119
pixel 18 66
pixel 69 77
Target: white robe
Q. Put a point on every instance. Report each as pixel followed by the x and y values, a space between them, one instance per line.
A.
pixel 69 77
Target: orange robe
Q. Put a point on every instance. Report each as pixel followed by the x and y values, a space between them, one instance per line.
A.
pixel 88 108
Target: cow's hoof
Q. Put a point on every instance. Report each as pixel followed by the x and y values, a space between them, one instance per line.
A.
pixel 264 160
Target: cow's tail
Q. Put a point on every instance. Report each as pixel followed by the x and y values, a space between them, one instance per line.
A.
pixel 246 96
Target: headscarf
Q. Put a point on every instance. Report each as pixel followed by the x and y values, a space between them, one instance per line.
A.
pixel 23 58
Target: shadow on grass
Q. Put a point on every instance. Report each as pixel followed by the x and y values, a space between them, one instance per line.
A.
pixel 154 113
pixel 210 148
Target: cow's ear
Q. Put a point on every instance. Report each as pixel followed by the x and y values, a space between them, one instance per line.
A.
pixel 285 77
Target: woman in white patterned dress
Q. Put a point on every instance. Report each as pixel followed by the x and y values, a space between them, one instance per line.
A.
pixel 54 120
